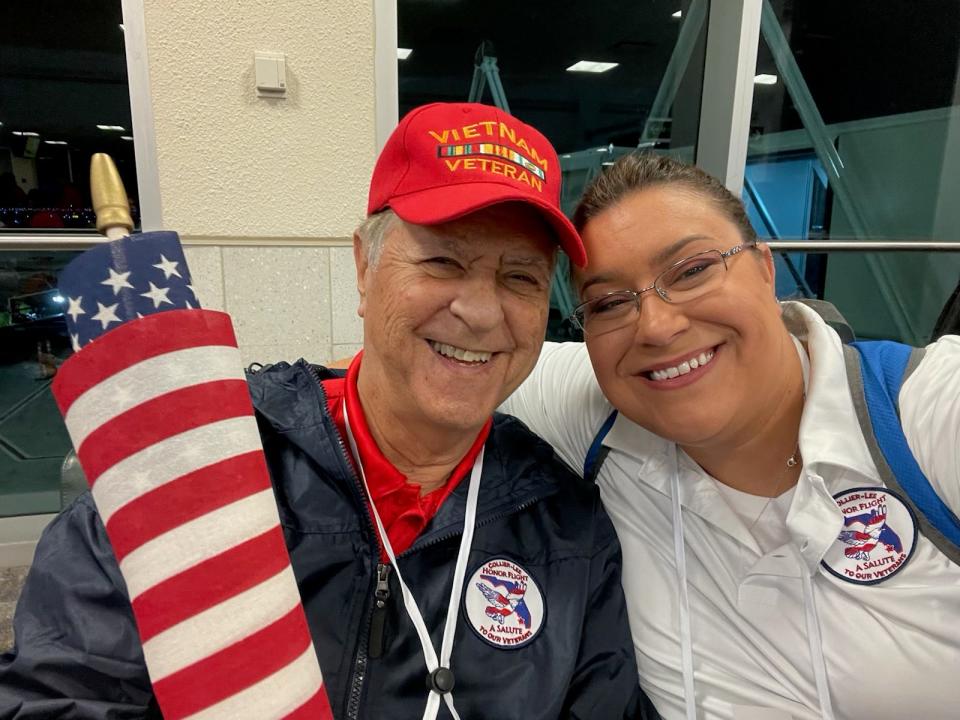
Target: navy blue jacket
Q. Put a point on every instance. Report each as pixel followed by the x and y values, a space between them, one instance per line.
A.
pixel 78 654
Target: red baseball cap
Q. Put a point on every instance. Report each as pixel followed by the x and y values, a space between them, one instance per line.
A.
pixel 446 160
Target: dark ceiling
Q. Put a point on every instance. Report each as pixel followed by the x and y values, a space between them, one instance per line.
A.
pixel 63 72
pixel 861 59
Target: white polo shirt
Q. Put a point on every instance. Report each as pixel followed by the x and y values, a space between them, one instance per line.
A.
pixel 888 606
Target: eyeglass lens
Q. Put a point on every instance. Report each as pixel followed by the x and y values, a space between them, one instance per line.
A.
pixel 682 282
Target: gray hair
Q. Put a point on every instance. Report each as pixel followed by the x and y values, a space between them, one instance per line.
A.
pixel 372 232
pixel 640 171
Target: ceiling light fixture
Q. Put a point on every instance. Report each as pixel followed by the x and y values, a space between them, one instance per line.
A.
pixel 591 66
pixel 122 28
pixel 678 14
pixel 117 128
pixel 403 53
pixel 765 79
pixel 127 137
pixel 25 133
pixel 55 142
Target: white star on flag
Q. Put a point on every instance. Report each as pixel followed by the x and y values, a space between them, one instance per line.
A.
pixel 74 310
pixel 106 314
pixel 158 295
pixel 75 342
pixel 117 281
pixel 169 268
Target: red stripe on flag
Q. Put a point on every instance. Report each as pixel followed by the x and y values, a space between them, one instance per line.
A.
pixel 316 708
pixel 235 668
pixel 136 341
pixel 160 418
pixel 210 582
pixel 185 499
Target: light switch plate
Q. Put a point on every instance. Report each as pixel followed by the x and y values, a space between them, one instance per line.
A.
pixel 271 73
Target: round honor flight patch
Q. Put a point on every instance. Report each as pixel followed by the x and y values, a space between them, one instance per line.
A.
pixel 503 604
pixel 878 536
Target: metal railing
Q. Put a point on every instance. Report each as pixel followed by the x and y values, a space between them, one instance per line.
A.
pixel 821 246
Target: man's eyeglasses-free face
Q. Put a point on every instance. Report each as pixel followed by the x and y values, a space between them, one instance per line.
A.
pixel 683 281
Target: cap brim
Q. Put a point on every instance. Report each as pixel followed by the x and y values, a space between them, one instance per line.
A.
pixel 449 202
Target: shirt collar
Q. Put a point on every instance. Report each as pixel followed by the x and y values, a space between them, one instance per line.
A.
pixel 830 432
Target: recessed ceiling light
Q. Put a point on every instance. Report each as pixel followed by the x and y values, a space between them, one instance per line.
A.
pixel 591 66
pixel 55 142
pixel 677 14
pixel 765 79
pixel 117 128
pixel 127 137
pixel 403 53
pixel 25 133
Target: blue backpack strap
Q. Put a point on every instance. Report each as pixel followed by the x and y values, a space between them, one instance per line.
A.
pixel 876 371
pixel 597 452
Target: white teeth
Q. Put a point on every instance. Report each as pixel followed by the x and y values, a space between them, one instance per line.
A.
pixel 683 368
pixel 460 354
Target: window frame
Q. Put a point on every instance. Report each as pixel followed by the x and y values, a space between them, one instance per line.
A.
pixel 19 534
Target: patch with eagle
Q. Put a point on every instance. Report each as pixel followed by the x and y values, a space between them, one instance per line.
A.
pixel 877 539
pixel 503 604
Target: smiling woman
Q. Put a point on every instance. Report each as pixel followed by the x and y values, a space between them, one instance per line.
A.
pixel 768 547
pixel 737 320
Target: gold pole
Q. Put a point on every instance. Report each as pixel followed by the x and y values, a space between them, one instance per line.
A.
pixel 109 198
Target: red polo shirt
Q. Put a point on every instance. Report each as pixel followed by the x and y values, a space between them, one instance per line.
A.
pixel 404 512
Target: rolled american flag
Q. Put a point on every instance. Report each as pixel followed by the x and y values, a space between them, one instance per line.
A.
pixel 157 407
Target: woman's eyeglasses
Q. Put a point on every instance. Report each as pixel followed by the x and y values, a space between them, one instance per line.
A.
pixel 683 281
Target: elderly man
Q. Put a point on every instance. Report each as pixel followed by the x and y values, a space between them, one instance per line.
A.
pixel 450 566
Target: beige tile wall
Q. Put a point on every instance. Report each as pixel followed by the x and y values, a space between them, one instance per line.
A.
pixel 11 580
pixel 286 302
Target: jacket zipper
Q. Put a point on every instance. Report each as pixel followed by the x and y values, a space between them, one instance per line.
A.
pixel 377 622
pixel 363 645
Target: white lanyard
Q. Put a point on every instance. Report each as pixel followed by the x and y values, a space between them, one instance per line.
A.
pixel 680 557
pixel 429 654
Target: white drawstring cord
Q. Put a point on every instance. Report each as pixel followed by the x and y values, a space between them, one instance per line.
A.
pixel 816 643
pixel 679 553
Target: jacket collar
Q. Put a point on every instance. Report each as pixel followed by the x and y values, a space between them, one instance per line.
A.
pixel 290 399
